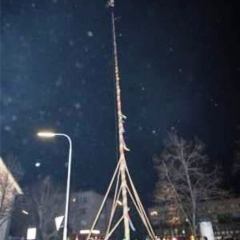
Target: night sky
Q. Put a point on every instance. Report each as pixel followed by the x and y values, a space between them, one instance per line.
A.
pixel 179 63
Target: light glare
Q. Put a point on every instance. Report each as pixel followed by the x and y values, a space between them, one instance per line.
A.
pixel 25 212
pixel 46 134
pixel 31 233
pixel 87 231
pixel 37 164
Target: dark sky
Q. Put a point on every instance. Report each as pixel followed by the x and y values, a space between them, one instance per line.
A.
pixel 179 63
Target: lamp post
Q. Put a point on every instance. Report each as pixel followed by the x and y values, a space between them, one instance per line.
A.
pixel 51 135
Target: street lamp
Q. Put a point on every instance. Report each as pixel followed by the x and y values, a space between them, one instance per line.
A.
pixel 51 135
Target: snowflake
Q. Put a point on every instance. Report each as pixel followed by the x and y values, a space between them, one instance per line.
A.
pixel 7 128
pixel 90 33
pixel 42 112
pixel 14 118
pixel 24 141
pixel 78 65
pixel 154 132
pixel 71 43
pixel 58 83
pixel 8 25
pixel 9 100
pixel 37 164
pixel 77 105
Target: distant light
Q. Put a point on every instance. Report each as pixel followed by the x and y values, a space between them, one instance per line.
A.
pixel 46 134
pixel 25 212
pixel 87 231
pixel 192 237
pixel 37 164
pixel 74 199
pixel 31 233
pixel 174 238
pixel 153 213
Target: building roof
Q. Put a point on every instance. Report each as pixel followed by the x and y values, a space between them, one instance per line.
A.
pixel 5 169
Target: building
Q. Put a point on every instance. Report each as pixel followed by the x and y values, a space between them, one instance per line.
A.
pixel 166 220
pixel 9 188
pixel 223 213
pixel 84 207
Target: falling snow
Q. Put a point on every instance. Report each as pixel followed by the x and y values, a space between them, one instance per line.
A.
pixel 90 33
pixel 154 132
pixel 37 164
pixel 71 43
pixel 7 128
pixel 57 73
pixel 77 105
pixel 59 82
pixel 78 65
pixel 14 118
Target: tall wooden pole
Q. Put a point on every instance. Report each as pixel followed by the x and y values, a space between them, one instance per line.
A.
pixel 122 146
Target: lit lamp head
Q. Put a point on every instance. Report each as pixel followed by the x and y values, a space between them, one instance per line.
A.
pixel 46 134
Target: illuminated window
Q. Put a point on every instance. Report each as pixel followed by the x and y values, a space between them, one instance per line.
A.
pixel 84 199
pixel 83 211
pixel 153 213
pixel 83 223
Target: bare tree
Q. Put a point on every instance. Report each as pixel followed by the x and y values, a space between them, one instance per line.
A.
pixel 184 181
pixel 8 188
pixel 14 166
pixel 46 203
pixel 6 197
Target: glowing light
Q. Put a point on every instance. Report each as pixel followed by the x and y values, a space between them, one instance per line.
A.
pixel 192 237
pixel 25 212
pixel 87 231
pixel 153 213
pixel 31 233
pixel 46 134
pixel 206 230
pixel 37 164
